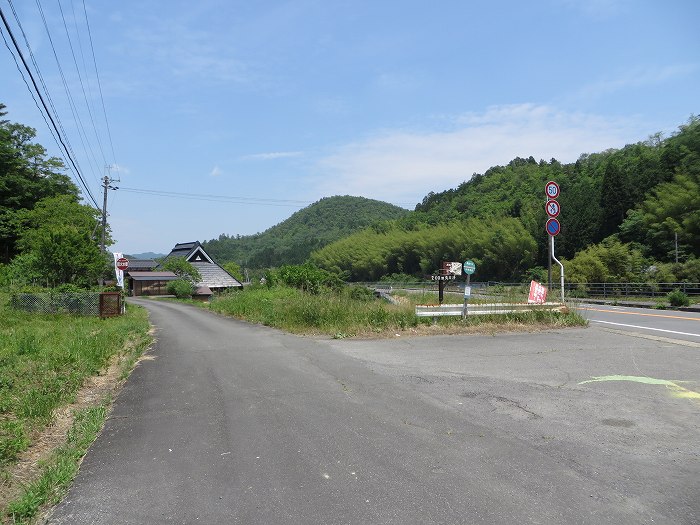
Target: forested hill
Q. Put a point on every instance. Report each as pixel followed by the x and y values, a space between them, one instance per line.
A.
pixel 311 228
pixel 613 192
pixel 621 213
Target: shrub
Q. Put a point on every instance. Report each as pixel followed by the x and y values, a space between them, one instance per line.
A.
pixel 360 293
pixel 180 288
pixel 678 298
pixel 306 277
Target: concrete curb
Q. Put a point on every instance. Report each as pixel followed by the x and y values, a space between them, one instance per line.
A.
pixel 639 304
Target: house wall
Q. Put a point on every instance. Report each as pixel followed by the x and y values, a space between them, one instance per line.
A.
pixel 149 288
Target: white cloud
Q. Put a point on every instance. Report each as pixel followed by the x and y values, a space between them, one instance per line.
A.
pixel 635 78
pixel 403 166
pixel 119 170
pixel 273 155
pixel 216 172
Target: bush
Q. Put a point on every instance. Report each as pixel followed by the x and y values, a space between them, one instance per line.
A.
pixel 306 277
pixel 360 293
pixel 180 288
pixel 678 298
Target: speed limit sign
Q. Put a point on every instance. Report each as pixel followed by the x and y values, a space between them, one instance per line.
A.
pixel 552 190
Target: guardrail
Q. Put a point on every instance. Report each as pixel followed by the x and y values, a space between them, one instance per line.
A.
pixel 604 290
pixel 483 309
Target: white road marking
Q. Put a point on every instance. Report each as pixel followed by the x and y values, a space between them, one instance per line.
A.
pixel 645 328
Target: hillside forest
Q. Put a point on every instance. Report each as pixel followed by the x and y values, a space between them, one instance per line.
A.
pixel 293 240
pixel 629 214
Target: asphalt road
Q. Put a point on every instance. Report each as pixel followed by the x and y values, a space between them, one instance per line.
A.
pixel 663 323
pixel 226 422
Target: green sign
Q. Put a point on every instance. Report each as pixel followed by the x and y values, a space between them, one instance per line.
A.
pixel 469 267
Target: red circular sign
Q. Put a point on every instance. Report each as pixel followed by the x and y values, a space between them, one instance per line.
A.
pixel 551 189
pixel 553 227
pixel 122 263
pixel 552 207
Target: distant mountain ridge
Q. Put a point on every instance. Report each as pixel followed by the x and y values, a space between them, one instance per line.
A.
pixel 293 240
pixel 146 255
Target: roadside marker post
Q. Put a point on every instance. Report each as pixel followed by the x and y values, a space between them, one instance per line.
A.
pixel 469 268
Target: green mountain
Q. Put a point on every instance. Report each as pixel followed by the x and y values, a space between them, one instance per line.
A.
pixel 623 213
pixel 293 240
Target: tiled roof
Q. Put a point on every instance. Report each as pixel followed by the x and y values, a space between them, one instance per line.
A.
pixel 141 264
pixel 214 276
pixel 152 276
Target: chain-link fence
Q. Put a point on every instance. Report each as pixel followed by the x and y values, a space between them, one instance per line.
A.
pixel 79 303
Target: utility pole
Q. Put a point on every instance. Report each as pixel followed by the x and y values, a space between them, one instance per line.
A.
pixel 106 181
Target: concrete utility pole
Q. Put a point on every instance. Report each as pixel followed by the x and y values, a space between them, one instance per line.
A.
pixel 106 181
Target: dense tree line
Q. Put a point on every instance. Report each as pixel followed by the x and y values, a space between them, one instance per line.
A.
pixel 46 235
pixel 502 247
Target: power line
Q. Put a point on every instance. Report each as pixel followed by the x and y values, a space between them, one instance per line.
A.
pixel 220 198
pixel 99 84
pixel 71 102
pixel 224 198
pixel 41 77
pixel 46 109
pixel 80 78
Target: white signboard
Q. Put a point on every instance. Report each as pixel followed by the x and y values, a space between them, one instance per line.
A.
pixel 119 273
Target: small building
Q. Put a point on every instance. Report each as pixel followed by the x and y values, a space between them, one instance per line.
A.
pixel 202 293
pixel 148 283
pixel 214 276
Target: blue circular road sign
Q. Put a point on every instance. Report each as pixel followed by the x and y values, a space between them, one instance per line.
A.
pixel 553 227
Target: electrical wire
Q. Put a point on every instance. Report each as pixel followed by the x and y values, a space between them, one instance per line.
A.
pixel 71 102
pixel 80 79
pixel 219 198
pixel 58 135
pixel 99 84
pixel 41 78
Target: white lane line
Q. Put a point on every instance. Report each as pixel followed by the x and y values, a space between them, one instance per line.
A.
pixel 645 328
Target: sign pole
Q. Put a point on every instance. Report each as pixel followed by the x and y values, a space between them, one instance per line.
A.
pixel 561 267
pixel 467 292
pixel 441 290
pixel 549 265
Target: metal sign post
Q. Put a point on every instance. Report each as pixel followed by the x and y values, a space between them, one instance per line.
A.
pixel 469 268
pixel 561 267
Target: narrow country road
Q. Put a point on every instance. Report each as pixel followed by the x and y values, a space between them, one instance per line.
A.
pixel 227 422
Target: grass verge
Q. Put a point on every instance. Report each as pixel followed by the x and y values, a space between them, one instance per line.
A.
pixel 57 373
pixel 346 314
pixel 59 470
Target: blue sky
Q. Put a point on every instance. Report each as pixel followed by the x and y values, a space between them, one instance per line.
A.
pixel 266 107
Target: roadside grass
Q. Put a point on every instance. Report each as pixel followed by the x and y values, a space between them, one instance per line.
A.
pixel 341 315
pixel 58 471
pixel 45 359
